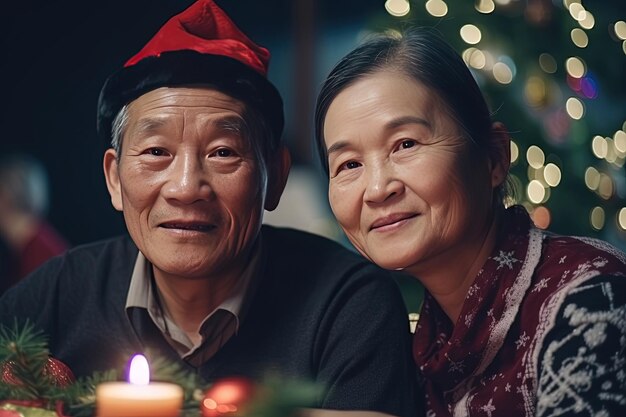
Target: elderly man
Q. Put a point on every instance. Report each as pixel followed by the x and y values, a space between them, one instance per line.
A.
pixel 195 159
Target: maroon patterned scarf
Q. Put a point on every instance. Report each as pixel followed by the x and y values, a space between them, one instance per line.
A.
pixel 486 364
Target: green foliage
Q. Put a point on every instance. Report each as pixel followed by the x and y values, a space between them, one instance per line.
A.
pixel 24 355
pixel 193 386
pixel 280 398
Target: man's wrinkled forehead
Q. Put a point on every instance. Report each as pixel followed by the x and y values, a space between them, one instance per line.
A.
pixel 152 110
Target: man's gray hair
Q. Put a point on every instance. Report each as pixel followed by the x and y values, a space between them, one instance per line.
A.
pixel 118 128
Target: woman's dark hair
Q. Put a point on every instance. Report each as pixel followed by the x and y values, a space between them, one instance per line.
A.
pixel 423 55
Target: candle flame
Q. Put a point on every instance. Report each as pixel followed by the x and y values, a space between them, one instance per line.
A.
pixel 139 373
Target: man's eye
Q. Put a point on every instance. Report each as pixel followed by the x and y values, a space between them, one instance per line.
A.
pixel 156 151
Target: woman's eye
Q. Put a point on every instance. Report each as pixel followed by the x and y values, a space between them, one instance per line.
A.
pixel 407 144
pixel 224 152
pixel 348 165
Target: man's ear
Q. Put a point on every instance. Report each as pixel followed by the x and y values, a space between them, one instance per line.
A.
pixel 278 171
pixel 112 177
pixel 501 157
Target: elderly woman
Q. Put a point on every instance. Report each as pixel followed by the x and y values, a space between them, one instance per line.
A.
pixel 516 321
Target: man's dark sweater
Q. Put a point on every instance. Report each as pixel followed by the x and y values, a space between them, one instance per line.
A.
pixel 318 312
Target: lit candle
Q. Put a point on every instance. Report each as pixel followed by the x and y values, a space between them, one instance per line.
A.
pixel 139 398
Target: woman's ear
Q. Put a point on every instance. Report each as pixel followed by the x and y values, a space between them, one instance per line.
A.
pixel 277 173
pixel 501 157
pixel 111 174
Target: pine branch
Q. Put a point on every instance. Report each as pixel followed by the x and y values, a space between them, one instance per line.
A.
pixel 166 370
pixel 79 398
pixel 23 356
pixel 24 359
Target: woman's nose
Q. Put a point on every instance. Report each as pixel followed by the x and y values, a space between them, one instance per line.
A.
pixel 382 184
pixel 188 180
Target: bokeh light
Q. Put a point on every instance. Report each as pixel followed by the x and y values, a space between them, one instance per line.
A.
pixel 575 67
pixel 514 152
pixel 606 187
pixel 611 155
pixel 475 58
pixel 592 178
pixel 621 218
pixel 502 73
pixel 552 174
pixel 535 191
pixel 547 63
pixel 577 11
pixel 541 217
pixel 535 91
pixel 599 147
pixel 485 6
pixel 470 34
pixel 579 37
pixel 397 8
pixel 535 156
pixel 620 29
pixel 478 59
pixel 596 218
pixel 575 108
pixel 534 173
pixel 619 139
pixel 589 86
pixel 436 8
pixel 587 21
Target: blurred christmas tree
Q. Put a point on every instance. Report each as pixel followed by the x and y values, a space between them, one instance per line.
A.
pixel 554 72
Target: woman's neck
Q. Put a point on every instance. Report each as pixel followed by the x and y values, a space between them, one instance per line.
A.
pixel 449 277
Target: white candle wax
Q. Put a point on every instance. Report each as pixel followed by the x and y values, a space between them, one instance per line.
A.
pixel 122 399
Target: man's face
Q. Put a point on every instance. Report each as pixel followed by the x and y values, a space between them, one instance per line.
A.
pixel 189 182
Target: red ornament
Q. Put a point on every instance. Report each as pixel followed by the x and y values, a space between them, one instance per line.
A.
pixel 227 397
pixel 59 373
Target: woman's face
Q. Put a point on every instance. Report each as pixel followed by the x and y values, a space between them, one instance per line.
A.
pixel 405 185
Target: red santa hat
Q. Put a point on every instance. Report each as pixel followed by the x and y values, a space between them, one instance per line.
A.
pixel 200 46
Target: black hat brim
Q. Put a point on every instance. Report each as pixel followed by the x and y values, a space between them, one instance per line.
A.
pixel 184 68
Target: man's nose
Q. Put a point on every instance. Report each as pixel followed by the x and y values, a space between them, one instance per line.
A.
pixel 188 179
pixel 382 184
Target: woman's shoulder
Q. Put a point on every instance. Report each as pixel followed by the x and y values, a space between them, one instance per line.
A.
pixel 582 245
pixel 577 258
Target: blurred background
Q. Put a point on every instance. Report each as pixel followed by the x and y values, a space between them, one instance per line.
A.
pixel 554 71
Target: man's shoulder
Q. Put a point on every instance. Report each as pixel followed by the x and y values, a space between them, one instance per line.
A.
pixel 299 262
pixel 94 258
pixel 306 245
pixel 317 259
pixel 117 245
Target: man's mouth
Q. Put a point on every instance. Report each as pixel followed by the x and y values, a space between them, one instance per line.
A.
pixel 196 227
